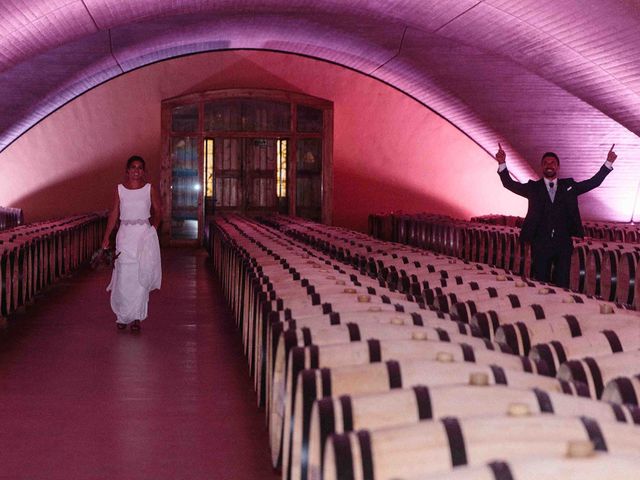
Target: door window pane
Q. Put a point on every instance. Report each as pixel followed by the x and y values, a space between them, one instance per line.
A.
pixel 281 168
pixel 247 115
pixel 184 119
pixel 209 192
pixel 265 116
pixel 228 173
pixel 223 116
pixel 260 164
pixel 309 178
pixel 309 119
pixel 309 155
pixel 185 188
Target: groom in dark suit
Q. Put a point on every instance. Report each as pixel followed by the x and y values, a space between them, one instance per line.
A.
pixel 553 216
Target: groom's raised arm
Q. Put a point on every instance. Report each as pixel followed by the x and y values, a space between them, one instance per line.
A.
pixel 509 183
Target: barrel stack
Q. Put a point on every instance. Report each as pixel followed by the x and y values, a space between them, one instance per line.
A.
pixel 34 256
pixel 379 360
pixel 604 263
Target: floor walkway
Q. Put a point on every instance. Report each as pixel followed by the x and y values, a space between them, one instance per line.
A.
pixel 81 400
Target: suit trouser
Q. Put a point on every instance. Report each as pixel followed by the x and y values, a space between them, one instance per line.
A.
pixel 551 260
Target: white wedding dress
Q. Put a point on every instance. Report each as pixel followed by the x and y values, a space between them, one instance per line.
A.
pixel 137 269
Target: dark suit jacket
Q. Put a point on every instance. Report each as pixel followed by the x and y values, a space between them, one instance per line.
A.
pixel 562 215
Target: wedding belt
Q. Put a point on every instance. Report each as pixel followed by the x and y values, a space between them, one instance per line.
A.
pixel 138 221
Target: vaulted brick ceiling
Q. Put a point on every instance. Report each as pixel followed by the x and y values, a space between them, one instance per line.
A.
pixel 535 74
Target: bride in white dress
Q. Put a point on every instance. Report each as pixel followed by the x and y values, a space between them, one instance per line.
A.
pixel 137 268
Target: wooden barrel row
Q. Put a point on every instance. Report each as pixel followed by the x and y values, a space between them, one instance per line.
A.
pixel 405 278
pixel 579 461
pixel 607 231
pixel 437 447
pixel 606 270
pixel 418 324
pixel 606 267
pixel 325 366
pixel 612 232
pixel 34 256
pixel 567 318
pixel 478 242
pixel 633 318
pixel 505 220
pixel 10 217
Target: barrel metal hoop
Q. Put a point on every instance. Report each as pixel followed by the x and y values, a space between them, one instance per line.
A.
pixel 465 329
pixel 544 400
pixel 538 311
pixel 559 349
pixel 366 454
pixel 618 412
pixel 498 374
pixel 627 390
pixel 467 353
pixel 489 344
pixel 423 400
pixel 306 336
pixel 596 374
pixel 314 356
pixel 514 300
pixel 524 335
pixel 574 325
pixel 327 416
pixel 325 374
pixel 634 411
pixel 501 471
pixel 375 353
pixel 443 335
pixel 614 341
pixel 598 261
pixel 527 365
pixel 595 433
pixel 632 278
pixel 394 374
pixel 456 441
pixel 297 362
pixel 343 456
pixel 495 322
pixel 472 308
pixel 354 332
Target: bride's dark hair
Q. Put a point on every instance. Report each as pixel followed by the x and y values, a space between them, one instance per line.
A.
pixel 136 158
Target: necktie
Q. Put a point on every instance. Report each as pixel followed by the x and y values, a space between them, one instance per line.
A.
pixel 552 192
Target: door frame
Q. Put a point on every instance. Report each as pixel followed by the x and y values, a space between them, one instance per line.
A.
pixel 294 99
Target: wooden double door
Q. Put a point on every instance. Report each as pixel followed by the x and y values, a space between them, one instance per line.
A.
pixel 246 175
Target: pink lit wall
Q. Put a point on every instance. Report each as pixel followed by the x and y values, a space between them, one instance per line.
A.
pixel 390 152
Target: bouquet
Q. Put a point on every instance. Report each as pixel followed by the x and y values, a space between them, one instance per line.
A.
pixel 104 257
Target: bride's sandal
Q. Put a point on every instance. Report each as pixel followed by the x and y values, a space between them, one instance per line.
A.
pixel 121 326
pixel 135 326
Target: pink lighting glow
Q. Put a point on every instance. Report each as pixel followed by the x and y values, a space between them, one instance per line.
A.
pixel 536 75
